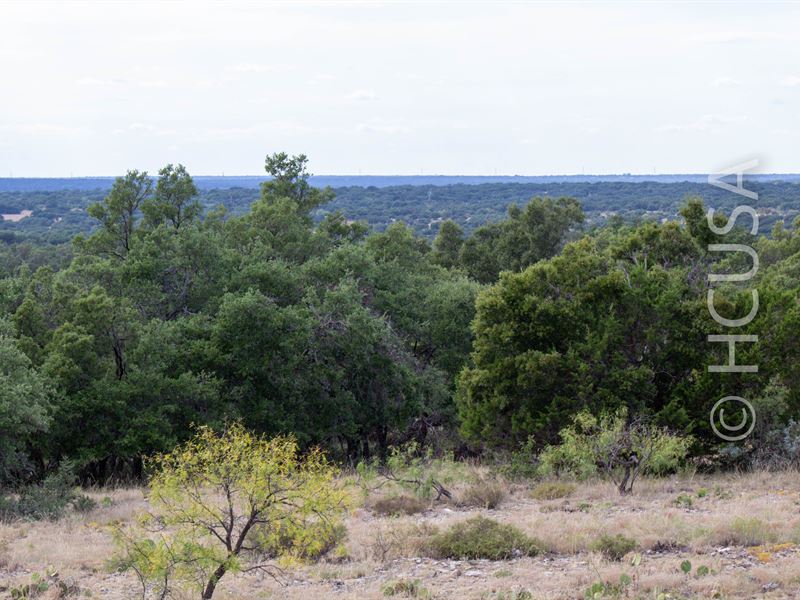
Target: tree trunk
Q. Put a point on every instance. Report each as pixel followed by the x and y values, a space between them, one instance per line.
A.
pixel 212 582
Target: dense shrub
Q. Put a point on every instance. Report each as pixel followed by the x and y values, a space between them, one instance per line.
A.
pixel 49 499
pixel 608 444
pixel 614 547
pixel 552 490
pixel 480 537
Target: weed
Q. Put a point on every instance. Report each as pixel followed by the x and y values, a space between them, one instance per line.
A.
pixel 750 532
pixel 406 587
pixel 552 490
pixel 484 494
pixel 395 506
pixel 683 501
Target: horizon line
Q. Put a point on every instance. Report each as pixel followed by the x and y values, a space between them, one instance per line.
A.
pixel 673 174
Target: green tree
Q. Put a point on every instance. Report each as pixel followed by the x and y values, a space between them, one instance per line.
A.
pixel 447 245
pixel 290 180
pixel 588 329
pixel 175 200
pixel 529 235
pixel 25 402
pixel 118 214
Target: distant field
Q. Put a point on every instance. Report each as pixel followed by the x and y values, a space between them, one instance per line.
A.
pixel 58 206
pixel 212 182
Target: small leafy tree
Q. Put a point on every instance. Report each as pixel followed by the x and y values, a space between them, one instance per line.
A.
pixel 218 498
pixel 619 447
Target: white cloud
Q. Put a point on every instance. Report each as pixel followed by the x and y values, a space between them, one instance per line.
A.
pixel 706 123
pixel 257 68
pixel 383 127
pixel 145 129
pixel 362 95
pixel 790 81
pixel 739 37
pixel 42 129
pixel 725 82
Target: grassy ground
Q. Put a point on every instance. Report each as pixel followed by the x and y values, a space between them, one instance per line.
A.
pixel 742 529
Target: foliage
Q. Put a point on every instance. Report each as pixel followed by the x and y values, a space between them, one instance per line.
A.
pixel 522 463
pixel 614 446
pixel 48 499
pixel 25 402
pixel 281 311
pixel 319 538
pixel 480 537
pixel 219 495
pixel 414 469
pixel 35 589
pixel 614 547
pixel 614 320
pixel 527 236
pixel 169 316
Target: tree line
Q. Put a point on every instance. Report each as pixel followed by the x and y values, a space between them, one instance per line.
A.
pixel 170 315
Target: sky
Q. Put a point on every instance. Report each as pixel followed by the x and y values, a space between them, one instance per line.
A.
pixel 398 88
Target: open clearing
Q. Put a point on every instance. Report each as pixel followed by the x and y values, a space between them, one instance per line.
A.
pixel 744 529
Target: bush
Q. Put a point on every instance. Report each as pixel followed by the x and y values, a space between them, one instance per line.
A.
pixel 552 490
pixel 484 494
pixel 394 506
pixel 622 449
pixel 480 537
pixel 750 532
pixel 614 547
pixel 84 504
pixel 407 588
pixel 524 463
pixel 48 499
pixel 683 501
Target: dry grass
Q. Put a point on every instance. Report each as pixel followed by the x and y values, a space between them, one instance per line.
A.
pixel 744 528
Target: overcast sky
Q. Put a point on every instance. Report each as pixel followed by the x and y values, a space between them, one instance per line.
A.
pixel 380 88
